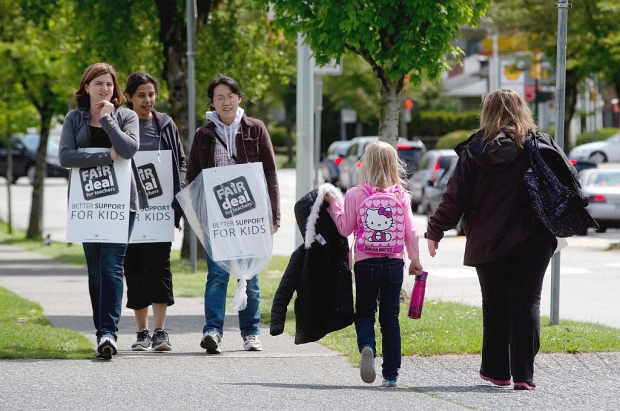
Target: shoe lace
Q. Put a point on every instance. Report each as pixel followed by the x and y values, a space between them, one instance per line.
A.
pixel 251 339
pixel 142 334
pixel 161 334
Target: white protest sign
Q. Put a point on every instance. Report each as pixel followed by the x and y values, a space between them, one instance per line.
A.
pixel 156 222
pixel 99 202
pixel 238 211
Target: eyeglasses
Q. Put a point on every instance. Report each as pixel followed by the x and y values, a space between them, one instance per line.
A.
pixel 230 98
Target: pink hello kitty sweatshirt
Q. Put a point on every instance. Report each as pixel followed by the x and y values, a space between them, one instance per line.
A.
pixel 347 219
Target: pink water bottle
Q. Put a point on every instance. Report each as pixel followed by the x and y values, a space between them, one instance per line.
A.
pixel 417 296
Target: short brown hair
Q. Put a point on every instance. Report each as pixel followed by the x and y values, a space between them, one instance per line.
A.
pixel 82 99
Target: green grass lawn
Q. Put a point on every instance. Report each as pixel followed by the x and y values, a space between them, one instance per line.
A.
pixel 445 327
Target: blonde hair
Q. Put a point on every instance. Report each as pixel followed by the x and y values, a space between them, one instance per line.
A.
pixel 506 111
pixel 381 166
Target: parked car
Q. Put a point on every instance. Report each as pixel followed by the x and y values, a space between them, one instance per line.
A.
pixel 409 151
pixel 25 148
pixel 329 165
pixel 583 164
pixel 602 187
pixel 435 191
pixel 431 167
pixel 598 151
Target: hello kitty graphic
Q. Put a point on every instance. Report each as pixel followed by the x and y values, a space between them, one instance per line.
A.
pixel 379 220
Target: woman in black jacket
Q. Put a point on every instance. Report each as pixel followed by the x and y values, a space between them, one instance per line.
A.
pixel 506 243
pixel 147 265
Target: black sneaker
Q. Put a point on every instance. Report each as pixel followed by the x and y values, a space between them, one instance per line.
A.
pixel 143 342
pixel 161 341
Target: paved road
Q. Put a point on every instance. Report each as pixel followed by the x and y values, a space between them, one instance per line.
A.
pixel 284 376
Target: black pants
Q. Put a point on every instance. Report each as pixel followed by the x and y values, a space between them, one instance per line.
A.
pixel 148 276
pixel 511 289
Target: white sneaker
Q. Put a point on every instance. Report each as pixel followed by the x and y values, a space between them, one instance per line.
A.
pixel 107 347
pixel 367 366
pixel 211 342
pixel 251 343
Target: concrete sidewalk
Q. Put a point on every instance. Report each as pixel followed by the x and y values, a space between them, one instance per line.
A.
pixel 281 377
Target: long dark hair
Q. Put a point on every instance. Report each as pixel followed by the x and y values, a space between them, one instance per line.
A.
pixel 134 81
pixel 82 99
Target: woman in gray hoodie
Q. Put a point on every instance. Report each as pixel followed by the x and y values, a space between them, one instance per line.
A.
pixel 100 121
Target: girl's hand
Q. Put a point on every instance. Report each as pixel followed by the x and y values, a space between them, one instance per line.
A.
pixel 432 246
pixel 329 198
pixel 415 268
pixel 274 229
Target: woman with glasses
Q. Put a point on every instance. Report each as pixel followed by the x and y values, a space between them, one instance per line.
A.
pixel 230 137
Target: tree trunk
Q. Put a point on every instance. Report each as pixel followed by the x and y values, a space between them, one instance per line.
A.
pixel 35 228
pixel 570 102
pixel 390 110
pixel 173 35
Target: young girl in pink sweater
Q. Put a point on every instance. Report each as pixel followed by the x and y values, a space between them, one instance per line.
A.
pixel 378 276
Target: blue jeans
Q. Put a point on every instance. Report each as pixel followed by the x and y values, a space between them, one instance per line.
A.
pixel 379 278
pixel 215 302
pixel 105 282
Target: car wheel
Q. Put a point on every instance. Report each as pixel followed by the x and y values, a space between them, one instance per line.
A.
pixel 598 157
pixel 30 173
pixel 601 229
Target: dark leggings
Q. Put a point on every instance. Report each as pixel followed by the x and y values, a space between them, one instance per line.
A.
pixel 511 289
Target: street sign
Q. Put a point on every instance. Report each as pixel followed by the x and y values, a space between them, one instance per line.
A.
pixel 530 92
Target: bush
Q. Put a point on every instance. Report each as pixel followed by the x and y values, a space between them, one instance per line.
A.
pixel 278 136
pixel 439 123
pixel 601 134
pixel 451 140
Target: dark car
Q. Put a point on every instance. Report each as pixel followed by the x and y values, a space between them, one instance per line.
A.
pixel 25 148
pixel 583 164
pixel 329 165
pixel 435 191
pixel 409 151
pixel 431 166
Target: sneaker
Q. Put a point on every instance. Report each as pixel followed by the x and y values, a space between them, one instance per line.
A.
pixel 251 343
pixel 143 341
pixel 525 386
pixel 389 383
pixel 501 383
pixel 107 347
pixel 161 341
pixel 211 342
pixel 367 366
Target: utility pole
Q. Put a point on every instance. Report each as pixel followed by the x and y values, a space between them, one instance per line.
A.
pixel 560 95
pixel 190 6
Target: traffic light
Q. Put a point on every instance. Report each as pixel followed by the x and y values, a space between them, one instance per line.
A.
pixel 409 104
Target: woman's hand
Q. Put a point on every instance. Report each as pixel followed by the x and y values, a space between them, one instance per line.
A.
pixel 113 153
pixel 105 107
pixel 432 246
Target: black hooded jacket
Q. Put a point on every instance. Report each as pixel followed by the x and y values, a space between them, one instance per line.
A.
pixel 488 190
pixel 318 271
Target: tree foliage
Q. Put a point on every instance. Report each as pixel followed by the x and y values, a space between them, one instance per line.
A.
pixel 593 39
pixel 394 37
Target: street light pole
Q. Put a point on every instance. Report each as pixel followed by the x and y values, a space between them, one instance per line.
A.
pixel 560 95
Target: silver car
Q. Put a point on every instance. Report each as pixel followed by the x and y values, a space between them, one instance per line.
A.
pixel 598 151
pixel 602 187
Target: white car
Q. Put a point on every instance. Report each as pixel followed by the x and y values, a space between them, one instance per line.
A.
pixel 602 187
pixel 599 151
